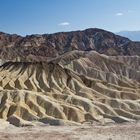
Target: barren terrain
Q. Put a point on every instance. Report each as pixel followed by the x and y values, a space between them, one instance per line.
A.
pixel 76 85
pixel 126 131
pixel 75 88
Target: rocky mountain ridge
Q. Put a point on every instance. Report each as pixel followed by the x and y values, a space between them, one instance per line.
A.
pixel 52 45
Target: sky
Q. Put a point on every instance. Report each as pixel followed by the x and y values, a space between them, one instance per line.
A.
pixel 48 16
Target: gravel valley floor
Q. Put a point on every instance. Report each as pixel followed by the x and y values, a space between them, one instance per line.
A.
pixel 125 131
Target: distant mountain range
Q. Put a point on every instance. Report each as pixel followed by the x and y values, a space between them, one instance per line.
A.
pixel 133 35
pixel 53 45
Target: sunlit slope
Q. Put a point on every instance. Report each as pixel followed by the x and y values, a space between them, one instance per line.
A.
pixel 76 87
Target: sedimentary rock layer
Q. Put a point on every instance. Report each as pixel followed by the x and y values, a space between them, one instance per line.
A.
pixel 74 88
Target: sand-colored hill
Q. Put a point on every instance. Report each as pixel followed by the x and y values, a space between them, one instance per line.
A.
pixel 74 88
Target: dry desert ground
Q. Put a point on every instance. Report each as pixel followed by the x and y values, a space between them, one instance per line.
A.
pixel 125 131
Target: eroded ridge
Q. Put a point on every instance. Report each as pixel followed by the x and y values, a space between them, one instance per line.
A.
pixel 79 87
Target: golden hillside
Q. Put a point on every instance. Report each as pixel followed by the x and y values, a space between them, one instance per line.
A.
pixel 76 87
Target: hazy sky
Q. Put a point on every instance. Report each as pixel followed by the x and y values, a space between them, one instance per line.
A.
pixel 48 16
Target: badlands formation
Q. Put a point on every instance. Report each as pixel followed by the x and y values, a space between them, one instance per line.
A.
pixel 75 87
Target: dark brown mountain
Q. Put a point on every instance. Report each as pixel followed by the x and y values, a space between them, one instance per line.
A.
pixel 52 45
